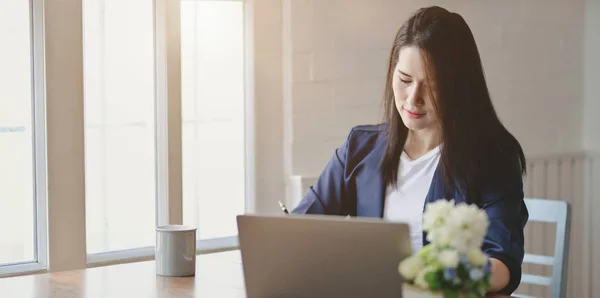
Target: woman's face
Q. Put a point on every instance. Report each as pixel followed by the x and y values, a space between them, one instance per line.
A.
pixel 412 91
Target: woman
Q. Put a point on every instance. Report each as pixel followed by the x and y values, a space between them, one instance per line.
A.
pixel 441 139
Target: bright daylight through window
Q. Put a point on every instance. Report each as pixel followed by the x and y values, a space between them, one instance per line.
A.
pixel 119 124
pixel 212 66
pixel 17 167
pixel 120 121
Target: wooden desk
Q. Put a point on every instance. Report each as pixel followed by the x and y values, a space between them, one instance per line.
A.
pixel 218 275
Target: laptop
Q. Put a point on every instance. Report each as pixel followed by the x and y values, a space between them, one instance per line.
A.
pixel 321 256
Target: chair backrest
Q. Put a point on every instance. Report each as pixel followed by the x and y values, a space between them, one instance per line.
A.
pixel 558 212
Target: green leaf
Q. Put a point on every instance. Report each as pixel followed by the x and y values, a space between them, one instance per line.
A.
pixel 474 295
pixel 483 288
pixel 433 280
pixel 462 272
pixel 446 284
pixel 424 252
pixel 469 284
pixel 451 294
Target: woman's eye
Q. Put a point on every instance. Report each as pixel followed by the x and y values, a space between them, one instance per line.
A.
pixel 405 81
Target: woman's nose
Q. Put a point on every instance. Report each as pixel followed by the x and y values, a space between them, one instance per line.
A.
pixel 415 98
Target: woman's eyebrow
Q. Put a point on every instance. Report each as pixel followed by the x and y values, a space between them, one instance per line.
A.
pixel 404 73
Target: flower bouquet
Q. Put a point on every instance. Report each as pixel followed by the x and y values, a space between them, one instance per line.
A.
pixel 452 265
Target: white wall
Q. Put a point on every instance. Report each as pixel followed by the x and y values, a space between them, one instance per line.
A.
pixel 531 51
pixel 592 120
pixel 592 76
pixel 268 96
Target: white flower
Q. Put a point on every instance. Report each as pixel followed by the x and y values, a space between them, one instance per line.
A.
pixel 462 227
pixel 440 236
pixel 476 257
pixel 465 228
pixel 410 267
pixel 436 214
pixel 449 258
pixel 435 222
pixel 420 279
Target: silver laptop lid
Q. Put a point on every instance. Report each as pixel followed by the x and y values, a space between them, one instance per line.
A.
pixel 321 256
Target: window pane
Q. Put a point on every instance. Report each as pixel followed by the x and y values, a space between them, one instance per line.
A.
pixel 16 135
pixel 212 53
pixel 119 124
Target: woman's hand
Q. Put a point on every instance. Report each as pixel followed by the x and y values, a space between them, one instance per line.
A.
pixel 500 275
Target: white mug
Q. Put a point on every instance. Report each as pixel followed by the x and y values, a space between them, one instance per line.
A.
pixel 175 253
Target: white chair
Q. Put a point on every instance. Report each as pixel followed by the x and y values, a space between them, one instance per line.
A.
pixel 558 212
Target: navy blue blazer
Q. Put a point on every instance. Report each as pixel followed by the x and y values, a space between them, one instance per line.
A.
pixel 351 184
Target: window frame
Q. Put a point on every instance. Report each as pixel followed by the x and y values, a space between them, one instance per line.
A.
pixel 169 186
pixel 57 51
pixel 40 262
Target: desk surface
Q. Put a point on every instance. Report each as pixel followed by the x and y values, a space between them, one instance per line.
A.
pixel 217 275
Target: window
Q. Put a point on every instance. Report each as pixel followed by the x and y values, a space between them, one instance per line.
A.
pixel 124 118
pixel 21 161
pixel 163 127
pixel 213 139
pixel 119 124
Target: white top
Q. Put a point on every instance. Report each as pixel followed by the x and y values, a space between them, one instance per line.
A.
pixel 406 202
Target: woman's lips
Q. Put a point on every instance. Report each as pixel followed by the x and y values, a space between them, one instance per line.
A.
pixel 413 114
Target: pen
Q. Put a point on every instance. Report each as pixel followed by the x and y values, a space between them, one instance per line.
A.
pixel 283 208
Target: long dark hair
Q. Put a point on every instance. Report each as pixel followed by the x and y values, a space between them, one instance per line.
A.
pixel 477 149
